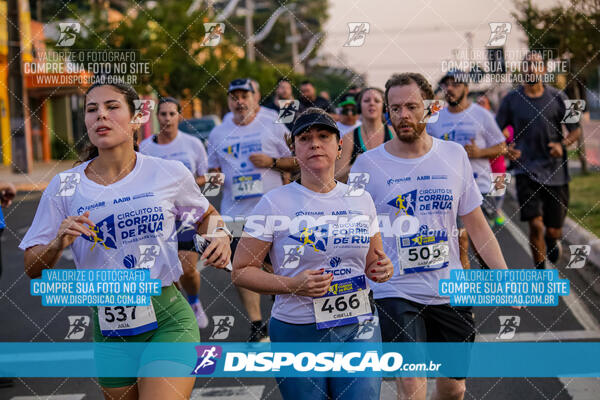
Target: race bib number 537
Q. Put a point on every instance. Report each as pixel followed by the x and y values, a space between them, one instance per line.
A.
pixel 126 320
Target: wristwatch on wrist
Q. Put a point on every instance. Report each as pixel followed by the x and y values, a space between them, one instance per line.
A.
pixel 274 163
pixel 227 232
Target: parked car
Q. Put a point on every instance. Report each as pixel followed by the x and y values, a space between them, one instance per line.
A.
pixel 200 127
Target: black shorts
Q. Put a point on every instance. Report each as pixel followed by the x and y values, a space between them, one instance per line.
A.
pixel 186 245
pixel 402 320
pixel 549 202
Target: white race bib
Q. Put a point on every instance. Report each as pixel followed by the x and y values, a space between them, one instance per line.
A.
pixel 422 253
pixel 126 320
pixel 344 302
pixel 246 186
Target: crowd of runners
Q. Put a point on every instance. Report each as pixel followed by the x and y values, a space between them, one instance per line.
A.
pixel 307 195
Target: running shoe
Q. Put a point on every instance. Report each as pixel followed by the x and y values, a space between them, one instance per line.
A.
pixel 553 250
pixel 500 220
pixel 201 316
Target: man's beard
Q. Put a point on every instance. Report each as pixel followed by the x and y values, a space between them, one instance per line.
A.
pixel 417 132
pixel 456 102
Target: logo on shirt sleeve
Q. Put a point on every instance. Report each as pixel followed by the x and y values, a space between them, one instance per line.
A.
pixel 292 255
pixel 68 183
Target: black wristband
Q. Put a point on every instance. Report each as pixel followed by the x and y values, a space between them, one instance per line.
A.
pixel 274 163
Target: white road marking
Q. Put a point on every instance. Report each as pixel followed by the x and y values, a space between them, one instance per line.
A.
pixel 77 396
pixel 252 392
pixel 577 307
pixel 582 388
pixel 541 336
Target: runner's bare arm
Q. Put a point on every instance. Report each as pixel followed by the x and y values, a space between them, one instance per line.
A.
pixel 489 152
pixel 572 137
pixel 483 238
pixel 43 256
pixel 247 273
pixel 218 252
pixel 378 266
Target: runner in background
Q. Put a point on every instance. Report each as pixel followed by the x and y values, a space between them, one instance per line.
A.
pixel 349 115
pixel 370 134
pixel 498 164
pixel 172 144
pixel 539 157
pixel 308 98
pixel 474 128
pixel 251 152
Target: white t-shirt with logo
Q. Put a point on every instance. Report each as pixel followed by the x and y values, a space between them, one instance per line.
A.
pixel 134 217
pixel 344 129
pixel 476 123
pixel 185 148
pixel 434 188
pixel 229 147
pixel 337 238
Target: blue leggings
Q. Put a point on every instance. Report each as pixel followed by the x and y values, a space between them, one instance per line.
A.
pixel 317 388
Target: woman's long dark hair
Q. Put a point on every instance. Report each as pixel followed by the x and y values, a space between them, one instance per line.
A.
pixel 90 150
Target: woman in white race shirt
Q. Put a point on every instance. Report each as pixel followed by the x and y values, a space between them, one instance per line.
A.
pixel 117 209
pixel 317 236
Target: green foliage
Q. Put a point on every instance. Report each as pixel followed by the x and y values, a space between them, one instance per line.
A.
pixel 570 27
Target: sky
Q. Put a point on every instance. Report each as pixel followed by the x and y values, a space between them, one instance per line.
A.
pixel 416 35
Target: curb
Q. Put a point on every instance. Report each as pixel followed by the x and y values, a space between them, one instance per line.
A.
pixel 573 233
pixel 31 187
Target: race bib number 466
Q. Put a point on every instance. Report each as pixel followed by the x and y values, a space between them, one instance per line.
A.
pixel 344 302
pixel 420 253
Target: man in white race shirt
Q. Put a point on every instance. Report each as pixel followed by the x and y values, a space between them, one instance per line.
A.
pixel 263 112
pixel 417 175
pixel 172 144
pixel 474 128
pixel 252 153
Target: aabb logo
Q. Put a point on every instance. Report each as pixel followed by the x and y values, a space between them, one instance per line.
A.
pixel 207 359
pixel 315 237
pixel 405 203
pixel 104 234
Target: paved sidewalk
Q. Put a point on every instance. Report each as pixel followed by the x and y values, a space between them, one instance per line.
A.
pixel 38 178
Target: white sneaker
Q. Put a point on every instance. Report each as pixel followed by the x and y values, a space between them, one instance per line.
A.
pixel 201 316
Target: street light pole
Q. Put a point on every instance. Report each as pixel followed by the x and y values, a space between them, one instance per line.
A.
pixel 250 31
pixel 17 99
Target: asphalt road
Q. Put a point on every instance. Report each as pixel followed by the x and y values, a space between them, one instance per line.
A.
pixel 24 319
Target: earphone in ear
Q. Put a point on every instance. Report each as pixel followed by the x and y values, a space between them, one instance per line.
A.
pixel 339 147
